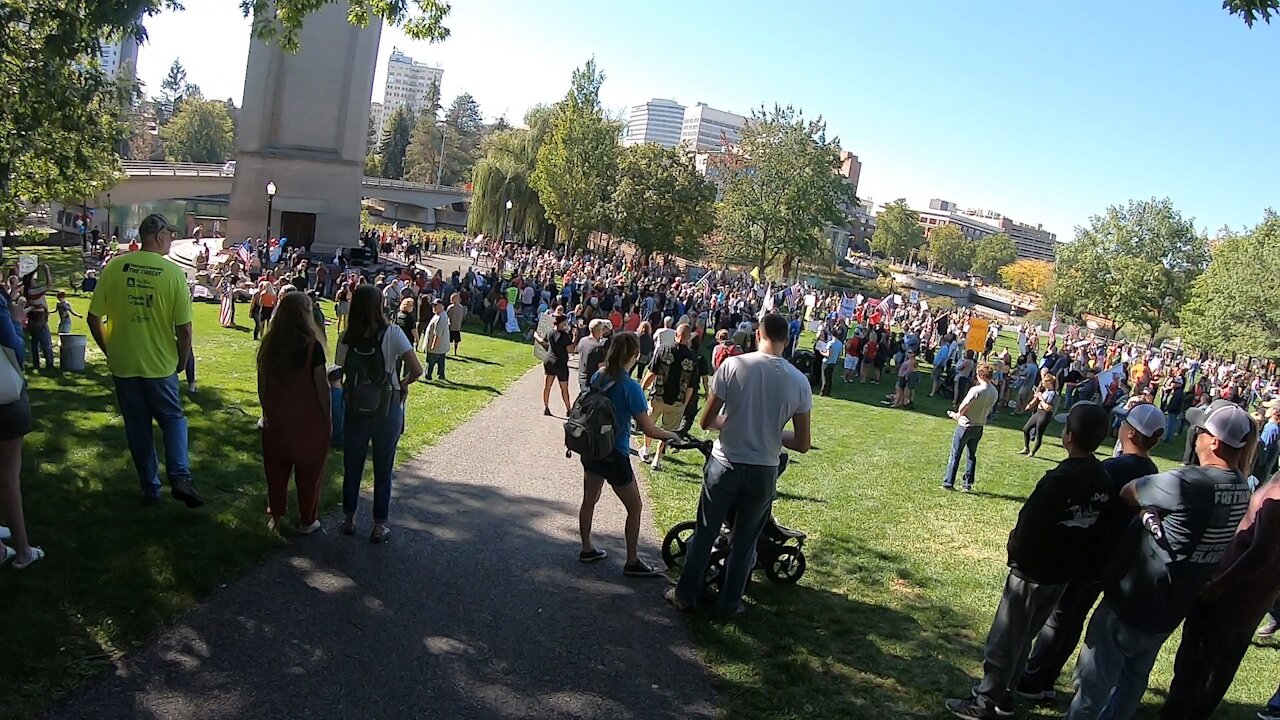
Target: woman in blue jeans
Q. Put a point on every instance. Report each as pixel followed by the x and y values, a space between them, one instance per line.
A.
pixel 367 323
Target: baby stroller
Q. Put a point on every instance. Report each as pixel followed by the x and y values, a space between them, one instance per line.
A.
pixel 779 550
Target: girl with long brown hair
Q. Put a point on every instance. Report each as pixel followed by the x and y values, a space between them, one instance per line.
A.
pixel 629 405
pixel 294 389
pixel 369 333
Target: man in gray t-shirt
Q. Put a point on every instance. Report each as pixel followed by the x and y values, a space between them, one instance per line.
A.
pixel 753 397
pixel 1186 520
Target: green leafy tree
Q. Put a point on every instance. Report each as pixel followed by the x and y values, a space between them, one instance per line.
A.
pixel 1233 307
pixel 898 231
pixel 395 142
pixel 200 132
pixel 779 189
pixel 950 250
pixel 422 157
pixel 661 202
pixel 505 172
pixel 464 130
pixel 993 252
pixel 1027 276
pixel 372 165
pixel 281 20
pixel 1252 11
pixel 577 162
pixel 171 90
pixel 1133 265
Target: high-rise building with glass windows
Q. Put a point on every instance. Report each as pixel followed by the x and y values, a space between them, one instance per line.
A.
pixel 657 121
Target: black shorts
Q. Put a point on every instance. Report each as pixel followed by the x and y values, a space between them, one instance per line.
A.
pixel 559 372
pixel 455 336
pixel 902 383
pixel 615 469
pixel 15 418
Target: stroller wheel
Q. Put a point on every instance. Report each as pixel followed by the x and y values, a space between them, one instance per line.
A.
pixel 676 544
pixel 786 567
pixel 713 582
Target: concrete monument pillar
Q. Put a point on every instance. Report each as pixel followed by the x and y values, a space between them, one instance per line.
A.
pixel 303 127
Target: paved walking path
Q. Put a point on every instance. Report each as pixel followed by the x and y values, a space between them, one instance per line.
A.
pixel 477 608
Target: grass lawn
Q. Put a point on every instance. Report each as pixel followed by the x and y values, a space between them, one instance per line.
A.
pixel 903 578
pixel 115 571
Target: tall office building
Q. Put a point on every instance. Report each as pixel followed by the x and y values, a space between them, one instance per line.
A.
pixel 121 55
pixel 705 128
pixel 375 125
pixel 407 84
pixel 1032 241
pixel 657 121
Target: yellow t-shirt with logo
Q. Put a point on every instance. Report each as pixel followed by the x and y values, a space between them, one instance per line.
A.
pixel 142 297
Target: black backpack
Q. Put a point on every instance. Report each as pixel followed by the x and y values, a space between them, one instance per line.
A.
pixel 366 388
pixel 589 430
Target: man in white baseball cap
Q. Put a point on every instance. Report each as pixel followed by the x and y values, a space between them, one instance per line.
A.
pixel 1187 519
pixel 1056 642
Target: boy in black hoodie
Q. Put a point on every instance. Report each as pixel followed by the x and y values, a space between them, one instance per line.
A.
pixel 1057 529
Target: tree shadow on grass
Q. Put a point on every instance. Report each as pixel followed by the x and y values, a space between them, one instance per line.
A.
pixel 477 608
pixel 115 570
pixel 809 651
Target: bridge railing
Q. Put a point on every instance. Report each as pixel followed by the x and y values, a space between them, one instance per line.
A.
pixel 406 185
pixel 137 167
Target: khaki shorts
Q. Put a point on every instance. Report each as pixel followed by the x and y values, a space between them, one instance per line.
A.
pixel 667 416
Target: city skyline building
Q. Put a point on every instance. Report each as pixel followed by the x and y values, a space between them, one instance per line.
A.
pixel 704 128
pixel 119 55
pixel 657 121
pixel 1033 242
pixel 407 85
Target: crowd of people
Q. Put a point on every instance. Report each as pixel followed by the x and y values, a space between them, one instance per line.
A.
pixel 670 347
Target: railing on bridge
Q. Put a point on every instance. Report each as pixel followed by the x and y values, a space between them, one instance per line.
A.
pixel 176 169
pixel 406 185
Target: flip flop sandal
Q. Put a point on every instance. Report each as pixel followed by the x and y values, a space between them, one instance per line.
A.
pixel 36 555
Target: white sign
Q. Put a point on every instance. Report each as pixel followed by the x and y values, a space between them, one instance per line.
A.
pixel 847 307
pixel 915 296
pixel 27 264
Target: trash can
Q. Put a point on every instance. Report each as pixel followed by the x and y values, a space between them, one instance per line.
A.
pixel 71 349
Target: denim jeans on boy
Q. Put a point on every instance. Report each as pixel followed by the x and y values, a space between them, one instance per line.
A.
pixel 41 342
pixel 384 434
pixel 966 436
pixel 1114 666
pixel 1024 606
pixel 141 401
pixel 748 489
pixel 435 360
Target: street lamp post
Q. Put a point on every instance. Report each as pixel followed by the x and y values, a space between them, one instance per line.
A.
pixel 271 197
pixel 108 233
pixel 506 226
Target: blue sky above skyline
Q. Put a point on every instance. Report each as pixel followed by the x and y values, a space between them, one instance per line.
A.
pixel 1047 112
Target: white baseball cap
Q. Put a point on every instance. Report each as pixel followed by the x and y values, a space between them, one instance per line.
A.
pixel 1146 419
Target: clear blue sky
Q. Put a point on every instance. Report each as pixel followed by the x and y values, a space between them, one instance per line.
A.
pixel 1045 111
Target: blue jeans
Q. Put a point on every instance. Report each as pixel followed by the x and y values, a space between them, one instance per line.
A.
pixel 141 401
pixel 41 342
pixel 748 489
pixel 964 437
pixel 435 360
pixel 1173 423
pixel 1114 666
pixel 384 434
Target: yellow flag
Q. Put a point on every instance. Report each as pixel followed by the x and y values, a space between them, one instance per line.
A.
pixel 755 274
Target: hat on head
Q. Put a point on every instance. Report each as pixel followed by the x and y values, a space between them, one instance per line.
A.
pixel 1272 404
pixel 1224 420
pixel 1146 419
pixel 154 224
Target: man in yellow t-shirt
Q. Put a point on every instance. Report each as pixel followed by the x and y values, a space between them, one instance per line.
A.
pixel 140 316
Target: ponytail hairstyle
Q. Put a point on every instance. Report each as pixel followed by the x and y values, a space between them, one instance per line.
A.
pixel 623 347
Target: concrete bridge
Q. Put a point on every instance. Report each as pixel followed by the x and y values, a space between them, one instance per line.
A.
pixel 153 181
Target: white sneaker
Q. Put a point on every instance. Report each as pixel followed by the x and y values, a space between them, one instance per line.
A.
pixel 191 388
pixel 313 527
pixel 644 454
pixel 657 462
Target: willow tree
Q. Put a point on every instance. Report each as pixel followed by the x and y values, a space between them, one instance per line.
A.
pixel 503 173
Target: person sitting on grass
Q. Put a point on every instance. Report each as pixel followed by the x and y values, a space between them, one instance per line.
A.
pixel 1056 530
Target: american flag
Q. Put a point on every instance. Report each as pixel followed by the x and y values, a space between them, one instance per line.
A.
pixel 245 252
pixel 1053 325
